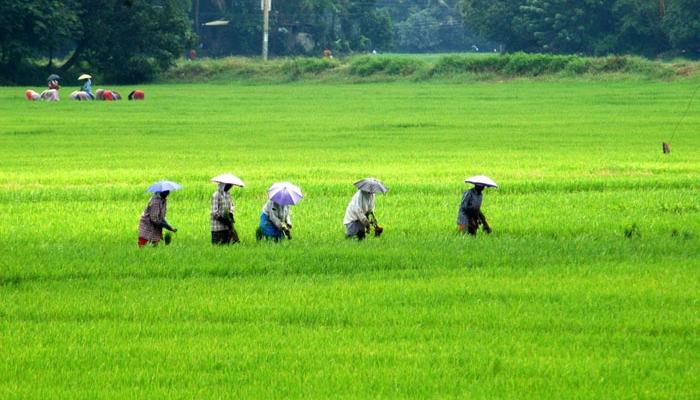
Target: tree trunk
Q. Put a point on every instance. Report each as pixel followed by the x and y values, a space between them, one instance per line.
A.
pixel 49 65
pixel 73 58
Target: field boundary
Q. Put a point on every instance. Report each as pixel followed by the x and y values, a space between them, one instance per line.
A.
pixel 462 67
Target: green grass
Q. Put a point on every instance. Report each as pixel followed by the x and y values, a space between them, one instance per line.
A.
pixel 556 303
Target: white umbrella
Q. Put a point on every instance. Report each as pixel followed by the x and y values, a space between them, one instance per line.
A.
pixel 228 178
pixel 481 180
pixel 84 76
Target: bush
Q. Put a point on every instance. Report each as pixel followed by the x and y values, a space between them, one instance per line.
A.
pixel 371 65
pixel 522 64
pixel 454 64
pixel 297 67
pixel 138 69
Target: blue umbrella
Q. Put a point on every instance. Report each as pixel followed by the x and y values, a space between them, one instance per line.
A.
pixel 284 193
pixel 163 186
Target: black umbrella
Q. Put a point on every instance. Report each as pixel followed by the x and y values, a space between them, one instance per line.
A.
pixel 53 77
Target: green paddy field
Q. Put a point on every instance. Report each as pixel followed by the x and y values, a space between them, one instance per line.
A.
pixel 589 286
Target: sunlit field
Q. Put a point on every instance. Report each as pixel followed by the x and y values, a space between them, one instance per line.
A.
pixel 588 287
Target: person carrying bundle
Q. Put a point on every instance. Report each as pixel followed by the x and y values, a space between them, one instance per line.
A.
pixel 152 221
pixel 275 219
pixel 359 215
pixel 222 210
pixel 469 216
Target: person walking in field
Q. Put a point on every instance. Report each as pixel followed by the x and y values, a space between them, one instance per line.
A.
pixel 359 214
pixel 222 210
pixel 275 219
pixel 275 222
pixel 469 216
pixel 153 220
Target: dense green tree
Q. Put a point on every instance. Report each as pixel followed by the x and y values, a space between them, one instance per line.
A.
pixel 429 25
pixel 639 28
pixel 34 29
pixel 122 40
pixel 296 27
pixel 130 41
pixel 569 26
pixel 598 27
pixel 419 32
pixel 500 21
pixel 682 23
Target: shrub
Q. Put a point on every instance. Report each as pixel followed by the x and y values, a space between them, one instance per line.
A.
pixel 371 65
pixel 297 67
pixel 522 64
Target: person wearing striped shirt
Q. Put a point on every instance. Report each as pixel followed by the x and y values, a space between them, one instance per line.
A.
pixel 222 220
pixel 153 221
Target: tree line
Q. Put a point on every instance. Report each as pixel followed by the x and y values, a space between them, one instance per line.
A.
pixel 592 27
pixel 135 40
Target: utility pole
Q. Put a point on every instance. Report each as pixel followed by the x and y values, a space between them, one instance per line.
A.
pixel 196 17
pixel 266 5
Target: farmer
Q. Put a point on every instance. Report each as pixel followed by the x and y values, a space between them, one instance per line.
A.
pixel 470 216
pixel 87 86
pixel 360 208
pixel 85 92
pixel 50 94
pixel 275 222
pixel 53 83
pixel 359 215
pixel 222 230
pixel 153 220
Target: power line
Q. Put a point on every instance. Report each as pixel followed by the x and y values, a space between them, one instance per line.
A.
pixel 687 108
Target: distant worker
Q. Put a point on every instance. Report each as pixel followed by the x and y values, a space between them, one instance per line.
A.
pixel 50 94
pixel 359 215
pixel 85 92
pixel 136 95
pixel 153 220
pixel 222 210
pixel 327 54
pixel 192 55
pixel 469 216
pixel 275 219
pixel 107 95
pixel 53 82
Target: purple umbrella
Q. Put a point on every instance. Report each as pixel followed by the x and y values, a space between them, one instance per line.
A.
pixel 284 193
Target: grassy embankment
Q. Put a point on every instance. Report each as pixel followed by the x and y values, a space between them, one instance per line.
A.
pixel 421 68
pixel 558 302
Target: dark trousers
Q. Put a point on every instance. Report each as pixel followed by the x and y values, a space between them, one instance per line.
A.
pixel 473 222
pixel 228 236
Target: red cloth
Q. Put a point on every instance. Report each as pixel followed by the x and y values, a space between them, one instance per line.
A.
pixel 144 241
pixel 108 95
